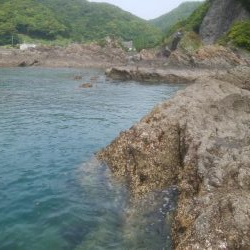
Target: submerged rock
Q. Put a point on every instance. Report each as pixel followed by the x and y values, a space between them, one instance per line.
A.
pixel 77 77
pixel 200 141
pixel 86 85
pixel 94 78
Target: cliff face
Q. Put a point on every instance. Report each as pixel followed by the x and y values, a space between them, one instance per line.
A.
pixel 221 15
pixel 199 140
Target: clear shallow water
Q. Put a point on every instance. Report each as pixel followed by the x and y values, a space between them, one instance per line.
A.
pixel 52 194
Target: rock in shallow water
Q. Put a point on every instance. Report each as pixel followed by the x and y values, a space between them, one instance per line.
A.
pixel 86 85
pixel 200 141
pixel 77 77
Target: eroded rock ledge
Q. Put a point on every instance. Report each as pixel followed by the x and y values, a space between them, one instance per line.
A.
pixel 146 74
pixel 200 141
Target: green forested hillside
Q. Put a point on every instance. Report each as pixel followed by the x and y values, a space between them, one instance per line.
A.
pixel 77 20
pixel 190 27
pixel 183 11
pixel 193 22
pixel 27 17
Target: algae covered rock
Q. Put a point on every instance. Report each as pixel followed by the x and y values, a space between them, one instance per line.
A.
pixel 200 141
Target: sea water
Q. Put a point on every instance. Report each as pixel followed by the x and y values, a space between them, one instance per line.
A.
pixel 54 195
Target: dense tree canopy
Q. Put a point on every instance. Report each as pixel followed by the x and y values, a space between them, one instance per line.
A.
pixel 193 22
pixel 77 20
pixel 28 17
pixel 182 12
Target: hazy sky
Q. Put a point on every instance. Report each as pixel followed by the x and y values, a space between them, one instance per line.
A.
pixel 146 9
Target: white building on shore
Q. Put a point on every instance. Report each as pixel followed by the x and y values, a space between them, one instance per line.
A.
pixel 25 46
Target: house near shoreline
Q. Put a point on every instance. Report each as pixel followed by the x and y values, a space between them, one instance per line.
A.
pixel 25 46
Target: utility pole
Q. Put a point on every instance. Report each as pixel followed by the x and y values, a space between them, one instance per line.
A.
pixel 12 40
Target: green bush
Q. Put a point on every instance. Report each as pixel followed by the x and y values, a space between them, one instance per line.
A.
pixel 239 35
pixel 193 22
pixel 190 41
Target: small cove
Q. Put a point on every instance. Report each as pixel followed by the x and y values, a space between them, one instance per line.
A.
pixel 53 193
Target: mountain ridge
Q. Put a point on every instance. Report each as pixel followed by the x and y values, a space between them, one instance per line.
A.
pixel 183 11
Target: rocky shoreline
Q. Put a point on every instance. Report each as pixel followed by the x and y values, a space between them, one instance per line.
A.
pixel 146 74
pixel 199 141
pixel 74 55
pixel 152 63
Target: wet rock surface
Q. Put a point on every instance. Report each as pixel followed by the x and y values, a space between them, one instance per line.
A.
pixel 200 142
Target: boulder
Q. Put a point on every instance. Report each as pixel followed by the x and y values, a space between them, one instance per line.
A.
pixel 77 77
pixel 28 63
pixel 176 39
pixel 86 85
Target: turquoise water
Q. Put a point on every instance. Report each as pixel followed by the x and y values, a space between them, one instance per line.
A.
pixel 53 193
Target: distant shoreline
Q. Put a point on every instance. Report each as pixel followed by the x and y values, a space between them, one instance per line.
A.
pixel 77 56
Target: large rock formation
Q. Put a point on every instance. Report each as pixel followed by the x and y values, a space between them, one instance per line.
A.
pixel 219 18
pixel 146 74
pixel 209 57
pixel 200 141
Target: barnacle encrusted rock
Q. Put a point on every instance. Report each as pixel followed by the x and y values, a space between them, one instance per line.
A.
pixel 200 141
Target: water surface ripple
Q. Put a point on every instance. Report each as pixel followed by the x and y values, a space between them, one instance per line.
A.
pixel 52 197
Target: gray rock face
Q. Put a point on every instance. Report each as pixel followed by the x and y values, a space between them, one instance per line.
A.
pixel 211 57
pixel 219 18
pixel 155 75
pixel 176 39
pixel 200 141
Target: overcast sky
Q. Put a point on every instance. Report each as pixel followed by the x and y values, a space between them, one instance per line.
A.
pixel 147 9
